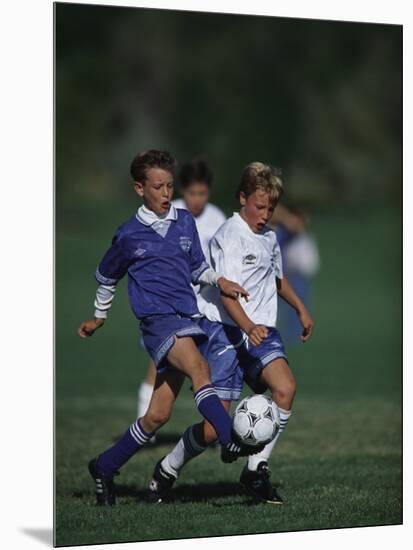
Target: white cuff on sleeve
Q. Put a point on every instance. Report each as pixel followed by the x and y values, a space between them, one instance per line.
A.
pixel 103 300
pixel 100 314
pixel 209 277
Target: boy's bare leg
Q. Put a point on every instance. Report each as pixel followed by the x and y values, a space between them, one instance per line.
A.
pixel 186 358
pixel 165 392
pixel 145 389
pixel 277 376
pixel 151 373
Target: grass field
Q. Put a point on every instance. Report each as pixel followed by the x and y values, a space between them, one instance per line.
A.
pixel 339 463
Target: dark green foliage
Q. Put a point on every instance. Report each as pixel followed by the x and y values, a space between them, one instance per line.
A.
pixel 321 99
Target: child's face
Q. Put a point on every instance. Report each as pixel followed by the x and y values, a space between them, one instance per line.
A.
pixel 196 196
pixel 157 190
pixel 256 209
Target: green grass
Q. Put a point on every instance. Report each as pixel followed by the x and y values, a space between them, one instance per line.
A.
pixel 338 465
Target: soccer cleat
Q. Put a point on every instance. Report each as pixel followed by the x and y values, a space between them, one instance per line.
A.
pixel 258 484
pixel 160 485
pixel 105 488
pixel 230 452
pixel 235 449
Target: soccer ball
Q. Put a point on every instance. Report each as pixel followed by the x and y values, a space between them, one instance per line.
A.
pixel 256 420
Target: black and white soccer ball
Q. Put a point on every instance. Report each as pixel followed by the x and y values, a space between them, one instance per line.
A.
pixel 256 420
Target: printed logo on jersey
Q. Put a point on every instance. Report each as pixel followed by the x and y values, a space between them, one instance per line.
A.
pixel 250 259
pixel 139 252
pixel 185 243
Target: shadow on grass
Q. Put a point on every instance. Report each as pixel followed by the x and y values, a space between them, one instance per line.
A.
pixel 185 493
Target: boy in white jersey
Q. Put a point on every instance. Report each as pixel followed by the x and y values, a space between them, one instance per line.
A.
pixel 243 341
pixel 195 180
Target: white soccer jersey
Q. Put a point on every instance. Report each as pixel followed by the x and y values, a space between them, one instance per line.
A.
pixel 253 260
pixel 207 223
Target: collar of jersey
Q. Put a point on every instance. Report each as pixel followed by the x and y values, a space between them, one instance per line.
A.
pixel 148 217
pixel 241 220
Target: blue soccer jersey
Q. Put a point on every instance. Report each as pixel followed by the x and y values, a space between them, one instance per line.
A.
pixel 161 264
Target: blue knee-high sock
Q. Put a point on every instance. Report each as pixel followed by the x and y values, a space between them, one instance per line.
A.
pixel 131 442
pixel 211 408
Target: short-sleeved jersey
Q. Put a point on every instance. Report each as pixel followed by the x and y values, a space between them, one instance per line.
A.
pixel 160 268
pixel 207 223
pixel 251 259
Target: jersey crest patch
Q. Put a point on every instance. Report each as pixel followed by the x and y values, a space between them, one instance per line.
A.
pixel 139 252
pixel 249 260
pixel 185 243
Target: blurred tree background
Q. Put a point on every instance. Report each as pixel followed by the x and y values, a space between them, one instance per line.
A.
pixel 320 99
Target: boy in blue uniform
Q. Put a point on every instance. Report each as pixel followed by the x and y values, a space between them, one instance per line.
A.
pixel 159 248
pixel 195 180
pixel 244 342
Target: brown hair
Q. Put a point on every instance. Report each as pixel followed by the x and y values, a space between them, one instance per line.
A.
pixel 195 170
pixel 151 159
pixel 264 177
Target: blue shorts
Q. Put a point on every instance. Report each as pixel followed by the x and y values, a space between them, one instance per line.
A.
pixel 232 359
pixel 220 352
pixel 160 331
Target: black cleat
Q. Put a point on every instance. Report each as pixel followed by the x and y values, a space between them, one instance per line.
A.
pixel 230 453
pixel 105 488
pixel 160 485
pixel 258 484
pixel 235 449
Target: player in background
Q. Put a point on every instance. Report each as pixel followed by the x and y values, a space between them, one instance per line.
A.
pixel 243 340
pixel 195 181
pixel 159 249
pixel 301 261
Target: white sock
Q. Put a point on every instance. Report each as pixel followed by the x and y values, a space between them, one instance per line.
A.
pixel 186 449
pixel 264 455
pixel 144 396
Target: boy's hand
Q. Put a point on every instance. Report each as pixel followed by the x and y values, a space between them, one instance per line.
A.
pixel 231 289
pixel 257 334
pixel 307 324
pixel 87 328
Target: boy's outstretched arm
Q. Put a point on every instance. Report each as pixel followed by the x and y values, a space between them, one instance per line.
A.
pixel 110 271
pixel 255 333
pixel 103 302
pixel 87 328
pixel 286 292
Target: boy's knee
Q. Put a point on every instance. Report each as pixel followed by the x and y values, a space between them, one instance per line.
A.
pixel 157 417
pixel 284 394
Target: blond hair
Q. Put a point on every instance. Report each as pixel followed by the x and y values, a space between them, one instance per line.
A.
pixel 263 177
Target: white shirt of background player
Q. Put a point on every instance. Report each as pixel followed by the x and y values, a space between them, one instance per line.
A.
pixel 207 223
